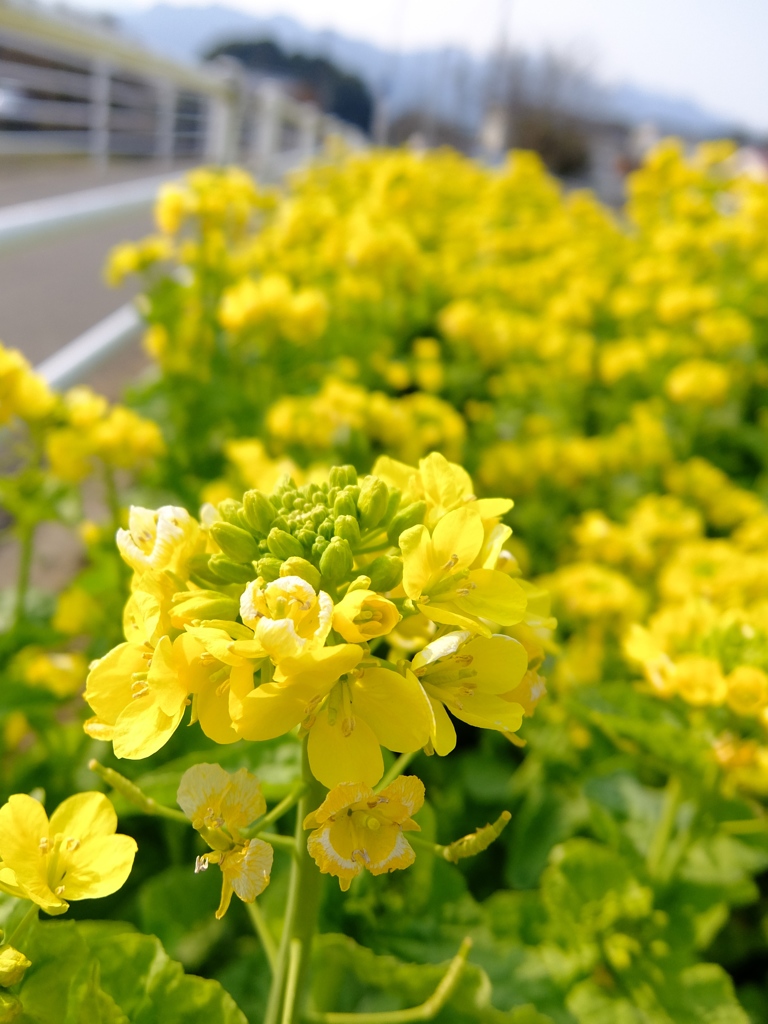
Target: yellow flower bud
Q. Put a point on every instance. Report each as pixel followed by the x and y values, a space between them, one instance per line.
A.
pixel 363 615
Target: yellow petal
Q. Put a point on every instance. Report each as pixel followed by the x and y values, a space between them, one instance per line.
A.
pixel 23 825
pixel 243 802
pixel 487 711
pixel 498 663
pixel 166 688
pixel 98 867
pixel 273 709
pixel 213 714
pixel 495 596
pixel 460 534
pixel 444 737
pixel 248 870
pixel 84 816
pixel 415 545
pixel 340 797
pixel 143 728
pixel 335 757
pixel 200 791
pixel 108 687
pixel 216 642
pixel 394 706
pixel 446 484
pixel 407 790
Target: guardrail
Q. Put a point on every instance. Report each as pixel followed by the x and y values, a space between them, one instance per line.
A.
pixel 67 86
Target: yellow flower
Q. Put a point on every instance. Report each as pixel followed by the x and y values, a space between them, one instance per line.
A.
pixel 62 673
pixel 471 677
pixel 172 206
pixel 438 575
pixel 287 616
pixel 363 615
pixel 219 805
pixel 137 696
pixel 356 829
pixel 698 382
pixel 74 856
pixel 75 612
pixel 700 681
pixel 444 485
pixel 13 965
pixel 140 695
pixel 159 539
pixel 747 690
pixel 349 713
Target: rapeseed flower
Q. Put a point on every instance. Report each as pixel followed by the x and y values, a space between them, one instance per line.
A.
pixel 74 856
pixel 355 829
pixel 219 805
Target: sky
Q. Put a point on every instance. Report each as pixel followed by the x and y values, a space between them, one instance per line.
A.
pixel 711 51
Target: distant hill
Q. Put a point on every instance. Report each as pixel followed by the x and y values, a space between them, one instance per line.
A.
pixel 450 83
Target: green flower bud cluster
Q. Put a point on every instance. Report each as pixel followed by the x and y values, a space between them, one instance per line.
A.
pixel 325 533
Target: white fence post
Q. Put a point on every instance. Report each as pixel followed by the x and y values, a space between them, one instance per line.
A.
pixel 99 112
pixel 266 135
pixel 165 141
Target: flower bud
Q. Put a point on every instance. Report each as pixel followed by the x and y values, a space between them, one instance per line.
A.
pixel 258 511
pixel 393 504
pixel 269 568
pixel 235 542
pixel 340 476
pixel 301 567
pixel 326 528
pixel 13 964
pixel 229 510
pixel 336 561
pixel 372 503
pixel 411 515
pixel 363 615
pixel 347 528
pixel 344 505
pixel 385 572
pixel 284 545
pixel 200 572
pixel 230 571
pixel 10 1008
pixel 203 604
pixel 319 547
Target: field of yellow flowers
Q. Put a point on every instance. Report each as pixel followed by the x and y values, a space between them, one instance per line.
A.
pixel 417 664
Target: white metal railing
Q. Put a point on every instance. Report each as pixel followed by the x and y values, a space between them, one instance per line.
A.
pixel 67 86
pixel 27 222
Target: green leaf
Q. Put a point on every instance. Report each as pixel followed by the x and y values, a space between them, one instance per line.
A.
pixel 588 887
pixel 354 978
pixel 88 972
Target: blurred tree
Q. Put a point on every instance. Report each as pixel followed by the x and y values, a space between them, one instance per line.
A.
pixel 316 78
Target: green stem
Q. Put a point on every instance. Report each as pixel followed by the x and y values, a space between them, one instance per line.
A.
pixel 275 814
pixel 27 544
pixel 261 928
pixel 136 796
pixel 397 769
pixel 427 1010
pixel 663 833
pixel 281 842
pixel 113 499
pixel 301 910
pixel 292 982
pixel 30 915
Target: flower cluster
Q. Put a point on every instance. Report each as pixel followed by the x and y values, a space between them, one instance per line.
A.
pixel 297 610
